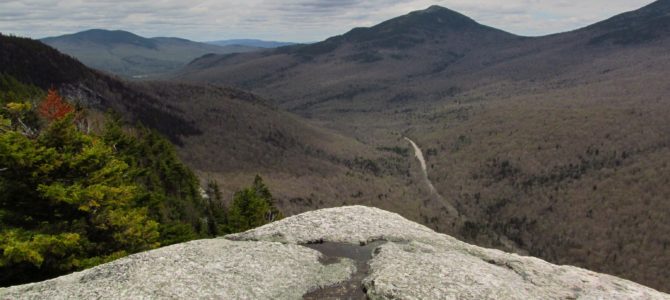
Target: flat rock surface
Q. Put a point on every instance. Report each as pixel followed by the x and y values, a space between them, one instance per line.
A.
pixel 408 261
pixel 205 269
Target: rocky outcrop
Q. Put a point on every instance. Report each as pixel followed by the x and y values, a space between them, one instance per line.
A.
pixel 323 254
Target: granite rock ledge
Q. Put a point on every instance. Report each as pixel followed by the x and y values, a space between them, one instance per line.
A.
pixel 408 261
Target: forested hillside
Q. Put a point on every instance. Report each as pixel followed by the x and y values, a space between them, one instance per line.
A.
pixel 72 197
pixel 227 136
pixel 126 54
pixel 559 143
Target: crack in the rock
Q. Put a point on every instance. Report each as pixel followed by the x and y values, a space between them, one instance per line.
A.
pixel 332 253
pixel 507 265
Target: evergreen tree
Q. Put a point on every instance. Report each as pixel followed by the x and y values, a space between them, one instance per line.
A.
pixel 17 101
pixel 65 204
pixel 264 192
pixel 169 189
pixel 70 199
pixel 12 90
pixel 252 207
pixel 216 213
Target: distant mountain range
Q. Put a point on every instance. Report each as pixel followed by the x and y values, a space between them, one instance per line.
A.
pixel 129 55
pixel 553 146
pixel 251 43
pixel 557 145
pixel 230 136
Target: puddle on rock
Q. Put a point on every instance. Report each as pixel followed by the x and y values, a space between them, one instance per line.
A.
pixel 352 288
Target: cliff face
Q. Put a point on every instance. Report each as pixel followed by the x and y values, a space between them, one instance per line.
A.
pixel 340 252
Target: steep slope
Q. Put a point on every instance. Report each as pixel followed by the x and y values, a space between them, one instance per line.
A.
pixel 229 136
pixel 644 25
pixel 321 255
pixel 363 62
pixel 306 166
pixel 130 55
pixel 427 55
pixel 35 63
pixel 558 143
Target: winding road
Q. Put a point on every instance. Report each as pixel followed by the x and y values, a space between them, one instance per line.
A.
pixel 422 160
pixel 503 239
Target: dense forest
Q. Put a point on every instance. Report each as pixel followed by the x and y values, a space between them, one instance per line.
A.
pixel 73 195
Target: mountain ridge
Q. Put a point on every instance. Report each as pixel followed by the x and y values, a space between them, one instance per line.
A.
pixel 251 43
pixel 407 31
pixel 646 24
pixel 518 132
pixel 556 144
pixel 103 36
pixel 229 136
pixel 130 55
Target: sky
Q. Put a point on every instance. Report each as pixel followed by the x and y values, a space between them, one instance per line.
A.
pixel 287 20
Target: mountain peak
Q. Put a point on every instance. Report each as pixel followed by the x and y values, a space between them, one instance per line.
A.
pixel 103 31
pixel 436 24
pixel 437 9
pixel 435 20
pixel 105 37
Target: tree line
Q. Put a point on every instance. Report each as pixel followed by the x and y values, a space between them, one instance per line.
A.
pixel 72 197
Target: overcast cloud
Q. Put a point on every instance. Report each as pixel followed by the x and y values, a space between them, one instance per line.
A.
pixel 287 20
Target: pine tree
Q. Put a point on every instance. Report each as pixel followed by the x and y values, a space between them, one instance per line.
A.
pixel 252 207
pixel 264 192
pixel 66 203
pixel 168 188
pixel 216 213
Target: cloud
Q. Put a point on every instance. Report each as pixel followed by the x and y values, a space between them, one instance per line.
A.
pixel 290 20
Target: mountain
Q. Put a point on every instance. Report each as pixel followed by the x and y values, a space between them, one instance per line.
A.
pixel 229 136
pixel 644 25
pixel 339 253
pixel 418 44
pixel 126 54
pixel 305 166
pixel 35 63
pixel 554 145
pixel 251 43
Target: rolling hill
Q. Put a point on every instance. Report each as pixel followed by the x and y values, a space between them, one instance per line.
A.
pixel 251 43
pixel 559 143
pixel 129 55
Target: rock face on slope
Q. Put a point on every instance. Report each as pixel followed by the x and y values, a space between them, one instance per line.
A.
pixel 324 254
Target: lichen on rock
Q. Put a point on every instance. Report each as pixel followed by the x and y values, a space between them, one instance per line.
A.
pixel 409 261
pixel 204 269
